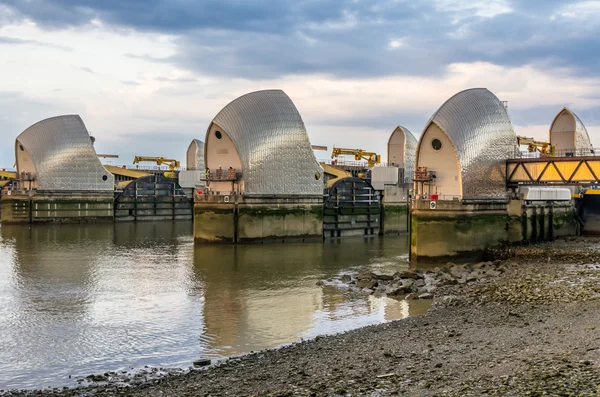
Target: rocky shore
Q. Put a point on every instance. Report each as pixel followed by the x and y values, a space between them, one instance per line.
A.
pixel 421 284
pixel 526 325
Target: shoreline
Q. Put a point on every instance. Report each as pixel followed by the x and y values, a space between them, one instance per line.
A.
pixel 535 327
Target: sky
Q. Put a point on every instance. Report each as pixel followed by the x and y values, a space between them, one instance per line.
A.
pixel 148 76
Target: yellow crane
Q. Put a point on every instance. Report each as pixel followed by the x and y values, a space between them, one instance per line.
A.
pixel 537 146
pixel 6 177
pixel 359 154
pixel 172 163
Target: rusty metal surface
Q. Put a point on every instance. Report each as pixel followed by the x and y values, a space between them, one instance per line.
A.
pixel 270 137
pixel 63 156
pixel 478 125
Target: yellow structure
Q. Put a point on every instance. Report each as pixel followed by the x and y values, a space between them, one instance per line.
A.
pixel 544 148
pixel 334 174
pixel 6 176
pixel 557 170
pixel 359 154
pixel 172 163
pixel 125 172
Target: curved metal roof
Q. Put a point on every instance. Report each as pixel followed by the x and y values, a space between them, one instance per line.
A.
pixel 410 149
pixel 478 125
pixel 271 140
pixel 63 156
pixel 582 138
pixel 198 155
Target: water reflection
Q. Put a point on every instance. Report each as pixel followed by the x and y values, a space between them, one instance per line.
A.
pixel 256 296
pixel 81 299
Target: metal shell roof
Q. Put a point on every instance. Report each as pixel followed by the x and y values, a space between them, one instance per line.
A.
pixel 478 125
pixel 410 149
pixel 269 135
pixel 582 139
pixel 63 156
pixel 197 146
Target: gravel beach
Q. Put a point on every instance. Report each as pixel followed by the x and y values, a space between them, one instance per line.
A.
pixel 531 328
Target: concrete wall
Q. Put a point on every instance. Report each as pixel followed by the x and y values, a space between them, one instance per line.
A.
pixel 15 209
pixel 443 162
pixel 462 230
pixel 214 223
pixel 59 208
pixel 266 222
pixel 257 220
pixel 396 194
pixel 382 176
pixel 395 218
pixel 455 229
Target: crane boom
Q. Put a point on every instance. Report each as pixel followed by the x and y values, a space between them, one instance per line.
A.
pixel 533 146
pixel 172 163
pixel 359 154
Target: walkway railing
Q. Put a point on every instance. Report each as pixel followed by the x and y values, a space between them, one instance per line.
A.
pixel 558 153
pixel 362 164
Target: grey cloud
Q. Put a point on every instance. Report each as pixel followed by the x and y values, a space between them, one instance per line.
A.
pixel 4 40
pixel 265 39
pixel 146 57
pixel 87 70
pixel 431 40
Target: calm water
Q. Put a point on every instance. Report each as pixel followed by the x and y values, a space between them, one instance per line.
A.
pixel 82 299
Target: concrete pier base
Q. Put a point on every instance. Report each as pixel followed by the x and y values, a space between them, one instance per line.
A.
pixel 395 218
pixel 395 210
pixel 240 219
pixel 57 207
pixel 454 229
pixel 531 223
pixel 465 230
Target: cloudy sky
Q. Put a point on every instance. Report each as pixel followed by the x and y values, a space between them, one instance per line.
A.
pixel 148 76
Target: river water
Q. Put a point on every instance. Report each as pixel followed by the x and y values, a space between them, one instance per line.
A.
pixel 85 299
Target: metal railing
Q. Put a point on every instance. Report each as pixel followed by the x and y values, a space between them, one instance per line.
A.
pixel 558 153
pixel 353 163
pixel 146 167
pixel 222 175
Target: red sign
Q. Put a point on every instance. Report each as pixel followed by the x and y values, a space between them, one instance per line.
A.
pixel 433 197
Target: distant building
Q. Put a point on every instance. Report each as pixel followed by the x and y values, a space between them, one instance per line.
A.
pixel 401 150
pixel 464 146
pixel 195 156
pixel 57 154
pixel 258 145
pixel 569 135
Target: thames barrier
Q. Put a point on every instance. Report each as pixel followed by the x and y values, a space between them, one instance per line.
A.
pixel 463 187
